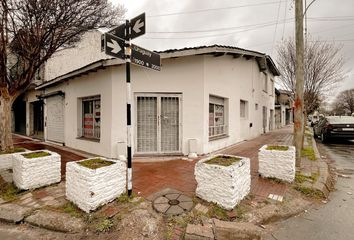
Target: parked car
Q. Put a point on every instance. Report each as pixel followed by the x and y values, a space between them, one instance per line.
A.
pixel 334 127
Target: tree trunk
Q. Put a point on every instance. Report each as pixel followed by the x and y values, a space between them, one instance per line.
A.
pixel 5 120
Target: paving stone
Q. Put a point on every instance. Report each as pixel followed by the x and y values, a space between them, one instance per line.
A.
pixel 161 207
pixel 175 210
pixel 198 232
pixel 161 200
pixel 27 201
pixel 13 213
pixel 172 196
pixel 184 198
pixel 200 208
pixel 27 195
pixel 56 221
pixel 53 203
pixel 2 201
pixel 48 198
pixel 110 211
pixel 235 230
pixel 187 206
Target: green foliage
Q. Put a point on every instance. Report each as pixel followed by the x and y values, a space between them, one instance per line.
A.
pixel 36 154
pixel 278 148
pixel 218 212
pixel 15 150
pixel 8 191
pixel 310 192
pixel 309 153
pixel 124 198
pixel 223 160
pixel 104 225
pixel 95 163
pixel 72 209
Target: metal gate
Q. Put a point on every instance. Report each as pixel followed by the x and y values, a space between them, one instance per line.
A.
pixel 158 123
pixel 55 118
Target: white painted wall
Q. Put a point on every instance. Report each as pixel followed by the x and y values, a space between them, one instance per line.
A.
pixel 87 51
pixel 235 79
pixel 194 77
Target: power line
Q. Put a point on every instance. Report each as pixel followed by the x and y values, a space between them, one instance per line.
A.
pixel 276 25
pixel 216 29
pixel 212 9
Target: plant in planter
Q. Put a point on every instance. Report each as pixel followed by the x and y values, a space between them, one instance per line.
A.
pixel 93 182
pixel 36 169
pixel 277 161
pixel 7 157
pixel 223 179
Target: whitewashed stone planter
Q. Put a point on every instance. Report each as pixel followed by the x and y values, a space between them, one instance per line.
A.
pixel 277 164
pixel 31 173
pixel 91 188
pixel 6 161
pixel 226 186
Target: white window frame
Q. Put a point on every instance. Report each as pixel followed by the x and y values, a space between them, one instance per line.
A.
pixel 214 130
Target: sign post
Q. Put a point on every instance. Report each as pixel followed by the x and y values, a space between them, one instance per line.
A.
pixel 116 43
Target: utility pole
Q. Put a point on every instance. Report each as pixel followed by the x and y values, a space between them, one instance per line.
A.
pixel 299 74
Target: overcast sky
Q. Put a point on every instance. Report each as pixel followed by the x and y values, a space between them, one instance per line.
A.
pixel 252 24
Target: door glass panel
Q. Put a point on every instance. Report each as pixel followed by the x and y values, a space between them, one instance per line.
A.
pixel 146 124
pixel 169 124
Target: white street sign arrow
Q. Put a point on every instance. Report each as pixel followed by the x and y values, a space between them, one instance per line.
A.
pixel 137 26
pixel 114 45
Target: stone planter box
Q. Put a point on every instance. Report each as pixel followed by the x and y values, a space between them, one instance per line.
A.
pixel 31 173
pixel 223 185
pixel 91 188
pixel 6 161
pixel 278 164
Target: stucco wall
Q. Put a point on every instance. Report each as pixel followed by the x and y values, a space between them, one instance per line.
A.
pixel 87 51
pixel 180 76
pixel 97 83
pixel 236 79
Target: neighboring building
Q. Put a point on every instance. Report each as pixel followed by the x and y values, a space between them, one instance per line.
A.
pixel 204 99
pixel 283 108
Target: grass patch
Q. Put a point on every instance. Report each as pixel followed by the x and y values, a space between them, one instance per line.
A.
pixel 104 225
pixel 309 153
pixel 71 209
pixel 95 163
pixel 299 178
pixel 275 180
pixel 8 191
pixel 15 150
pixel 309 192
pixel 223 160
pixel 36 154
pixel 124 198
pixel 278 148
pixel 218 212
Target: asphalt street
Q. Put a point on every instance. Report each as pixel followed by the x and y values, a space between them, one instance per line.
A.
pixel 335 219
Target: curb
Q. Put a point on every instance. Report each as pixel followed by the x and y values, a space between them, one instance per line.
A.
pixel 324 182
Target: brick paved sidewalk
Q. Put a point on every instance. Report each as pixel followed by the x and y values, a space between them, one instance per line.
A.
pixel 151 177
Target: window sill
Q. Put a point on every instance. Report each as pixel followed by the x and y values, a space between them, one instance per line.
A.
pixel 213 138
pixel 89 139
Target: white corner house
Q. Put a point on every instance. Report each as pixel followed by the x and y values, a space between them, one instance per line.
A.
pixel 203 99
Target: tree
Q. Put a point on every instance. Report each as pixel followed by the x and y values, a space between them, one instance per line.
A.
pixel 344 103
pixel 323 70
pixel 30 32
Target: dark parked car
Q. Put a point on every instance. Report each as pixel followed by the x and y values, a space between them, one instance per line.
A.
pixel 334 127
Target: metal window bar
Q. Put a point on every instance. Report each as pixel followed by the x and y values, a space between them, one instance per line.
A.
pixel 219 130
pixel 89 133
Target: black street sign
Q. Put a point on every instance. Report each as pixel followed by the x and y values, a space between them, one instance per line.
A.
pixel 137 26
pixel 114 46
pixel 145 58
pixel 118 31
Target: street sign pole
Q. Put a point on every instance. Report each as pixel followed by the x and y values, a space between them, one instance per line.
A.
pixel 129 109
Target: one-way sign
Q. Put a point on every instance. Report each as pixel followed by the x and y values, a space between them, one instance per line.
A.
pixel 145 58
pixel 114 46
pixel 137 26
